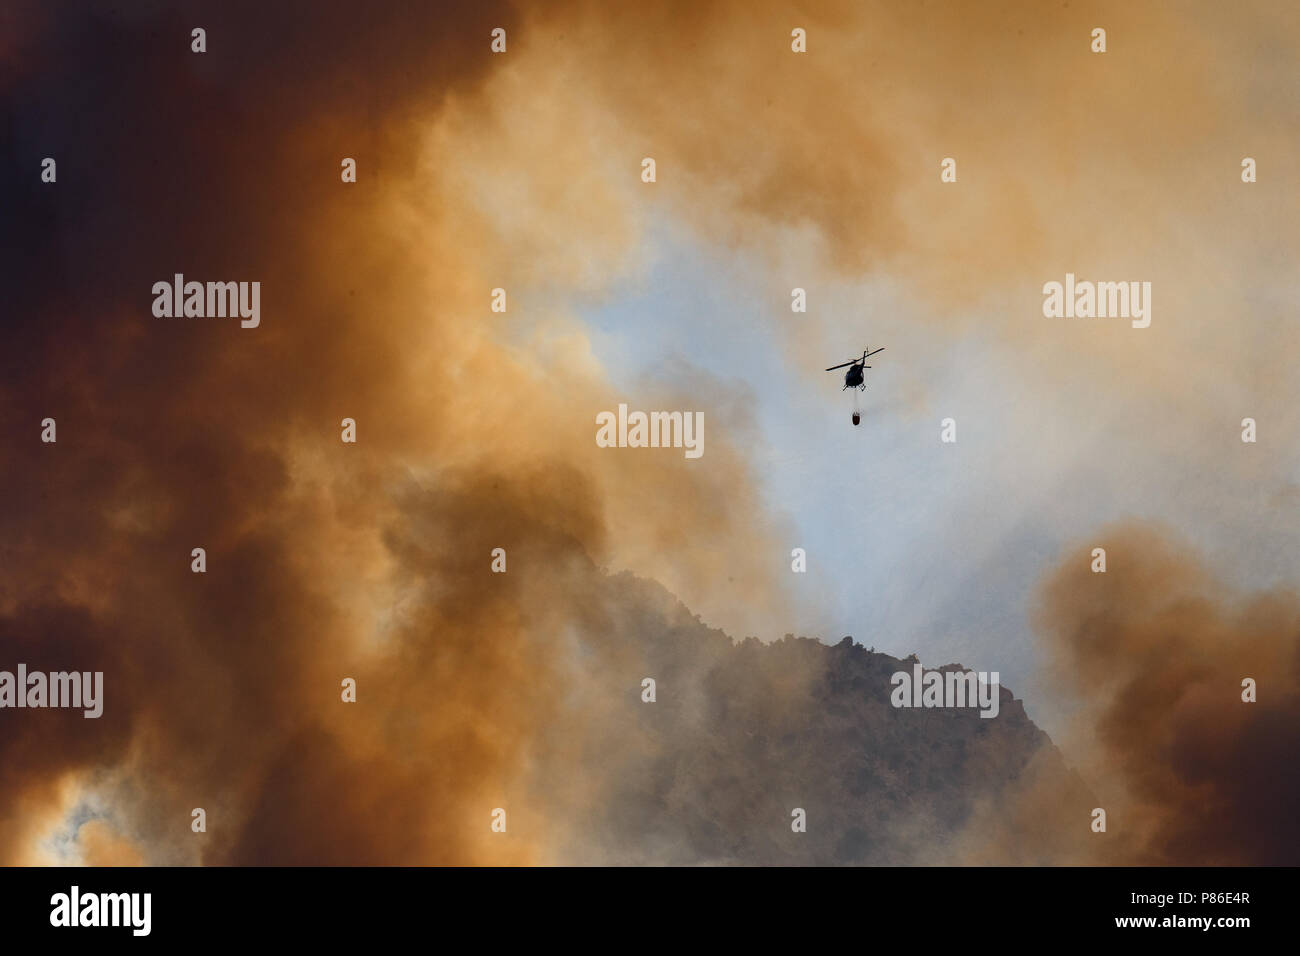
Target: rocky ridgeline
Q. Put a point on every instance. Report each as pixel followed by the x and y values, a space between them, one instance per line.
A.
pixel 742 734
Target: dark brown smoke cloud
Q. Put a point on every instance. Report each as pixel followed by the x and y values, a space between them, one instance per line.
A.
pixel 325 560
pixel 220 688
pixel 1155 650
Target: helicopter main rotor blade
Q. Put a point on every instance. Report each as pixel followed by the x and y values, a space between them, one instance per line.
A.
pixel 834 367
pixel 869 354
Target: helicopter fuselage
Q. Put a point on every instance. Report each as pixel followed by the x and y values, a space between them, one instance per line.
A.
pixel 853 378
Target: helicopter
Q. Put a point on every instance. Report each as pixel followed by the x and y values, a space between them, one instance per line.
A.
pixel 854 378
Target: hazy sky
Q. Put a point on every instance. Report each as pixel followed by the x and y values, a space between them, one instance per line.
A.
pixel 775 170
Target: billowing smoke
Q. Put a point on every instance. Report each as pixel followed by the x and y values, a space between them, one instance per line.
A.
pixel 324 560
pixel 1156 653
